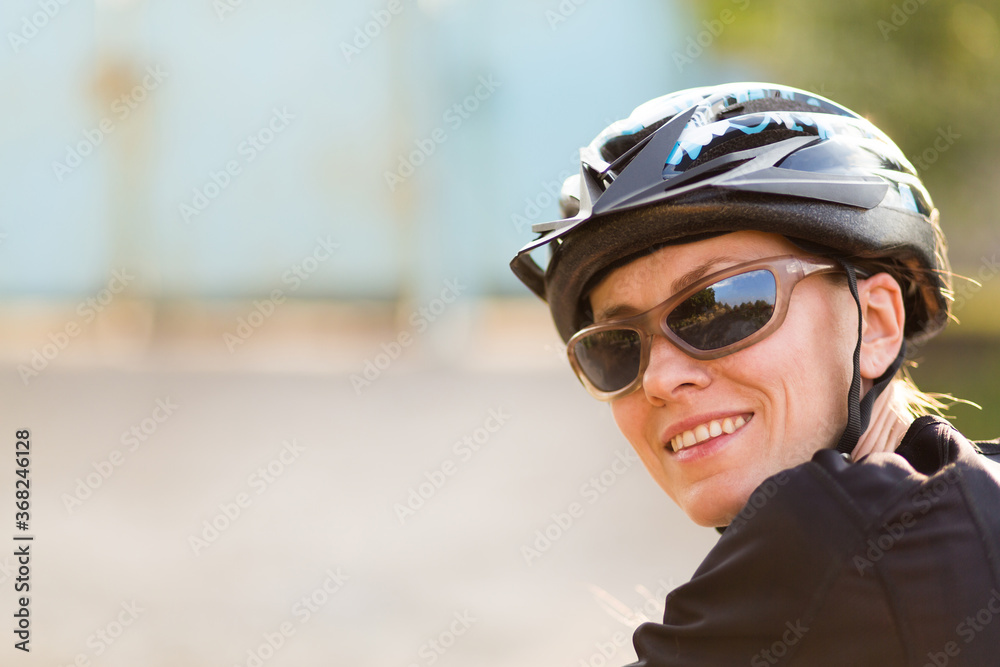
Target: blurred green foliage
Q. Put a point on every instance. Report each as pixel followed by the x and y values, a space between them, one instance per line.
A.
pixel 967 368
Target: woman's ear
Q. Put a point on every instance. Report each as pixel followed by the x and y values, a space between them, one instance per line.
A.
pixel 884 318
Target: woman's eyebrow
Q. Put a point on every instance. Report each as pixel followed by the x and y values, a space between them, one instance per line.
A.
pixel 695 274
pixel 615 311
pixel 699 272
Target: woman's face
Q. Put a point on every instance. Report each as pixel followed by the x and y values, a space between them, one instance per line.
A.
pixel 773 404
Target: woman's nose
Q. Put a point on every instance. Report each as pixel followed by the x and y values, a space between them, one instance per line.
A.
pixel 671 373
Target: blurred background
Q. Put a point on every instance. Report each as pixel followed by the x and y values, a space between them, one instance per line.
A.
pixel 288 405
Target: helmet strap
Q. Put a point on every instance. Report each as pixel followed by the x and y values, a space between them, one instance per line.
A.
pixel 859 410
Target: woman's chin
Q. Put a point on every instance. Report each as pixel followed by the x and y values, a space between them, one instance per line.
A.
pixel 714 504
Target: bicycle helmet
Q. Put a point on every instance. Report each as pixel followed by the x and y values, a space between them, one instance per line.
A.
pixel 743 156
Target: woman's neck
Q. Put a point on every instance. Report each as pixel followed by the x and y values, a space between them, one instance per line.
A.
pixel 887 426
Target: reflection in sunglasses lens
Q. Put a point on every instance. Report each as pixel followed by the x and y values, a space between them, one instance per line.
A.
pixel 610 359
pixel 726 312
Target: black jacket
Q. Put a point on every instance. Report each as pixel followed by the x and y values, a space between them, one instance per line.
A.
pixel 893 560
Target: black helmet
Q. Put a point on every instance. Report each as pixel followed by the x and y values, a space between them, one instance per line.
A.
pixel 741 156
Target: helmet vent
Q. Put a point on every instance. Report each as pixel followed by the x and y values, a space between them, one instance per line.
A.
pixel 765 104
pixel 742 142
pixel 617 146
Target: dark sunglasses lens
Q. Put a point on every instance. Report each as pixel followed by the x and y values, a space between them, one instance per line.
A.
pixel 726 312
pixel 610 359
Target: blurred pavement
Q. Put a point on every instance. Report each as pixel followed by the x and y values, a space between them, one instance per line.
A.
pixel 321 548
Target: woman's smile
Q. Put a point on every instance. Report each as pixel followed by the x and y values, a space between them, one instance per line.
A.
pixel 708 430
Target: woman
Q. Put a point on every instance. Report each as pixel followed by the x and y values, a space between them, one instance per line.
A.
pixel 739 273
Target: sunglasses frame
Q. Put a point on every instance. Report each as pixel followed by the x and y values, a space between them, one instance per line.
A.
pixel 787 270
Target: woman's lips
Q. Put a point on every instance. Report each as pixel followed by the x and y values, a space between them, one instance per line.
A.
pixel 710 429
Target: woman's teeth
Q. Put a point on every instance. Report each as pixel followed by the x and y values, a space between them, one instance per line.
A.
pixel 703 432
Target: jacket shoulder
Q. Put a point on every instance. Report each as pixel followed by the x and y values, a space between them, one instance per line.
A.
pixel 988 448
pixel 908 535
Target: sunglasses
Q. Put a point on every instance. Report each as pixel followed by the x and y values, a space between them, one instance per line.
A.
pixel 719 314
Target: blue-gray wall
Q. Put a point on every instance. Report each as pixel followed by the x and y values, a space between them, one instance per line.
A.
pixel 555 73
